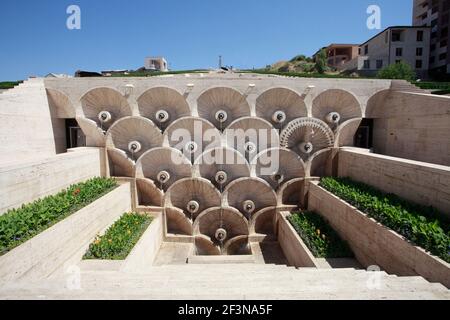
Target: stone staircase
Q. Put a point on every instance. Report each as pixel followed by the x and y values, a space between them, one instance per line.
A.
pixel 405 86
pixel 228 281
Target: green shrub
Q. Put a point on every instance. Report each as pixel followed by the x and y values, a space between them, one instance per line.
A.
pixel 321 61
pixel 9 84
pixel 399 70
pixel 19 225
pixel 432 85
pixel 318 236
pixel 120 238
pixel 421 225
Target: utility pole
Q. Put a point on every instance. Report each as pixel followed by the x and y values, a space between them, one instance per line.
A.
pixel 220 62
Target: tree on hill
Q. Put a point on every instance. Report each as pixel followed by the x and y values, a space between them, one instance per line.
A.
pixel 321 61
pixel 399 70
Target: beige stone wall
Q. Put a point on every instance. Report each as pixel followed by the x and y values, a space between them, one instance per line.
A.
pixel 412 126
pixel 68 240
pixel 419 182
pixel 25 182
pixel 374 244
pixel 295 251
pixel 27 130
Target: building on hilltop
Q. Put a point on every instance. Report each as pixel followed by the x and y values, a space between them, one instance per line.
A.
pixel 393 45
pixel 339 54
pixel 156 64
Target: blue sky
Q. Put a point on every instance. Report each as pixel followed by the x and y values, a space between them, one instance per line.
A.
pixel 117 34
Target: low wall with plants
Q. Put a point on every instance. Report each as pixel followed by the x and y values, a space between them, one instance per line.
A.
pixel 25 182
pixel 376 244
pixel 144 253
pixel 294 249
pixel 67 233
pixel 318 236
pixel 120 238
pixel 419 182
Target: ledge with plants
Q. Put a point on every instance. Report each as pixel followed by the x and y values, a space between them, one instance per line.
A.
pixel 318 236
pixel 120 238
pixel 9 84
pixel 423 226
pixel 22 224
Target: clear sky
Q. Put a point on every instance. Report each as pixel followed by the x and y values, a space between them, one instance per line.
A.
pixel 118 34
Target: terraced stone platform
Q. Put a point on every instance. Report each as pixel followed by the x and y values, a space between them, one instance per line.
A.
pixel 229 281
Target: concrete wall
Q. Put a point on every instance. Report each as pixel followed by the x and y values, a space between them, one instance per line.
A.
pixel 69 239
pixel 295 251
pixel 419 182
pixel 374 244
pixel 25 182
pixel 27 130
pixel 413 126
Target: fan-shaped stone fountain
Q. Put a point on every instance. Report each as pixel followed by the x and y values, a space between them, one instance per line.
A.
pixel 164 166
pixel 163 105
pixel 177 222
pixel 306 136
pixel 192 195
pixel 206 247
pixel 289 193
pixel 222 105
pixel 251 135
pixel 119 163
pixel 336 106
pixel 279 165
pixel 94 134
pixel 222 166
pixel 192 136
pixel 148 193
pixel 105 106
pixel 213 219
pixel 237 246
pixel 280 106
pixel 60 104
pixel 249 195
pixel 134 135
pixel 263 221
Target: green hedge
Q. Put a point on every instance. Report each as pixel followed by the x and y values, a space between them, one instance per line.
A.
pixel 318 236
pixel 19 225
pixel 120 238
pixel 423 226
pixel 9 84
pixel 432 85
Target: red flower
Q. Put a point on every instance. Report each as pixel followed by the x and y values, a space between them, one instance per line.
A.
pixel 76 192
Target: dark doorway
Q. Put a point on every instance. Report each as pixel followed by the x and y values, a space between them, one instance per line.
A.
pixel 75 137
pixel 363 137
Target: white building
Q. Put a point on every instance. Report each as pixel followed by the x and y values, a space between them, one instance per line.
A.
pixel 394 44
pixel 156 64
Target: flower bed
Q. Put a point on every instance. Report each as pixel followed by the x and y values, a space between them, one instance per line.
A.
pixel 20 225
pixel 421 225
pixel 318 236
pixel 120 238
